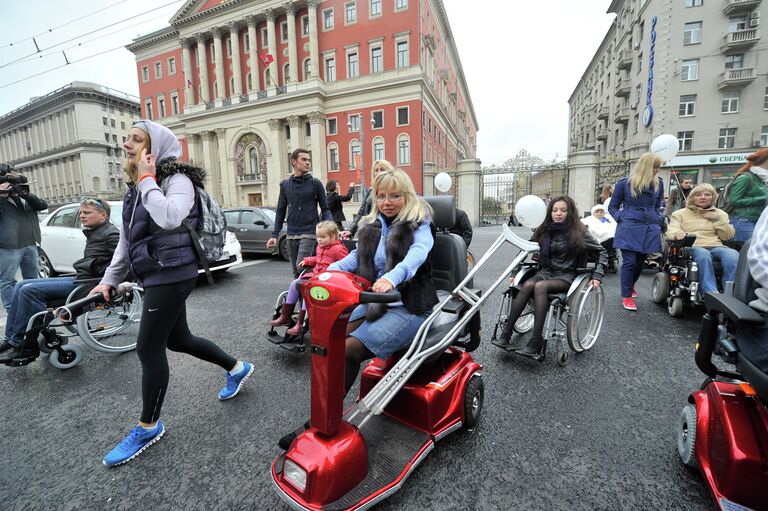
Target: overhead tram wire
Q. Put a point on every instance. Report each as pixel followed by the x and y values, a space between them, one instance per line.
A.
pixel 63 24
pixel 88 33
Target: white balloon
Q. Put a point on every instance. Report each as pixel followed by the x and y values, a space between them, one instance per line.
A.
pixel 530 211
pixel 443 182
pixel 666 146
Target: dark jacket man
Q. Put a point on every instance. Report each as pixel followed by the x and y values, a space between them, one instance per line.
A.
pixel 462 227
pixel 298 201
pixel 100 245
pixel 19 226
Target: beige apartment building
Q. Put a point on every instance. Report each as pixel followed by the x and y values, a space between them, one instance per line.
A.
pixel 69 142
pixel 697 69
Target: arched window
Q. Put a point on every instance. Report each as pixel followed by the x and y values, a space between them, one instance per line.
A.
pixel 333 156
pixel 307 69
pixel 377 149
pixel 286 73
pixel 253 157
pixel 354 154
pixel 403 150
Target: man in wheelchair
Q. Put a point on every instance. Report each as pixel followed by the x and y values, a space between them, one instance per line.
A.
pixel 711 227
pixel 32 296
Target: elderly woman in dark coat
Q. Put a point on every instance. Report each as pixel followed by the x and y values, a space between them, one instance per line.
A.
pixel 635 207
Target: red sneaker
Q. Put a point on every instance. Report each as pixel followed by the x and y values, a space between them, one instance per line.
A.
pixel 634 293
pixel 629 304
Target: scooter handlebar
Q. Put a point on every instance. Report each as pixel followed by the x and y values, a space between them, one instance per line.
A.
pixel 371 297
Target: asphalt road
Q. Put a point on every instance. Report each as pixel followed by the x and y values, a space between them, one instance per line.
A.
pixel 596 434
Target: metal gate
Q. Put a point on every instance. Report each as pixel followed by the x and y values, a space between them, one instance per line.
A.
pixel 500 191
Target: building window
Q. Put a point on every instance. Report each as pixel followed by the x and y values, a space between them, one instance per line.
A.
pixel 401 4
pixel 171 66
pixel 158 70
pixel 283 31
pixel 730 102
pixel 687 106
pixel 148 109
pixel 333 156
pixel 693 3
pixel 161 106
pixel 354 154
pixel 352 67
pixel 736 23
pixel 354 123
pixel 402 54
pixel 350 12
pixel 764 137
pixel 307 69
pixel 735 61
pixel 330 69
pixel 332 126
pixel 402 116
pixel 403 150
pixel 727 138
pixel 213 53
pixel 377 60
pixel 287 132
pixel 122 125
pixel 175 103
pixel 145 73
pixel 286 73
pixel 692 33
pixel 765 99
pixel 328 19
pixel 690 70
pixel 375 8
pixel 304 26
pixel 229 47
pixel 246 43
pixel 249 81
pixel 378 119
pixel 105 121
pixel 686 140
pixel 264 38
pixel 307 130
pixel 378 149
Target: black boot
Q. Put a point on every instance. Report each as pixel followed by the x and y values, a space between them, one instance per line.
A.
pixel 503 341
pixel 535 348
pixel 20 356
pixel 286 441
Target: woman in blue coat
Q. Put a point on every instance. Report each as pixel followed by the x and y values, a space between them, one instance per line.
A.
pixel 635 207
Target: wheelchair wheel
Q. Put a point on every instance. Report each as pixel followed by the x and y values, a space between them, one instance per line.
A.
pixel 470 260
pixel 660 287
pixel 112 327
pixel 675 307
pixel 524 323
pixel 585 316
pixel 67 360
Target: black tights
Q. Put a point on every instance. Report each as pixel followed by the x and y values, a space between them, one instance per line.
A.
pixel 536 288
pixel 355 353
pixel 164 325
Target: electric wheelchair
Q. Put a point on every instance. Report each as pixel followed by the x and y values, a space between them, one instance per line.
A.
pixel 677 282
pixel 723 429
pixel 106 327
pixel 575 316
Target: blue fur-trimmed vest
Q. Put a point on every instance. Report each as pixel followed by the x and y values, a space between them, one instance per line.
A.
pixel 417 294
pixel 157 256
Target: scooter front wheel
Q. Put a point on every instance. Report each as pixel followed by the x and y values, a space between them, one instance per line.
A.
pixel 686 436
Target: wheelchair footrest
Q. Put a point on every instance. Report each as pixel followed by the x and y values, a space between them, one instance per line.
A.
pixel 295 346
pixel 274 337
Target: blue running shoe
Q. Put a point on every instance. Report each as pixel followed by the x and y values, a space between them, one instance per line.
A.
pixel 134 444
pixel 234 383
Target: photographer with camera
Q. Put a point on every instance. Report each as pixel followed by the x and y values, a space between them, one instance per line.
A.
pixel 19 231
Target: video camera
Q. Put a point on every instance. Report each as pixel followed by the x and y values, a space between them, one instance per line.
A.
pixel 19 183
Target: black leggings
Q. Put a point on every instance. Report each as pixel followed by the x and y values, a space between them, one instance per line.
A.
pixel 538 288
pixel 164 325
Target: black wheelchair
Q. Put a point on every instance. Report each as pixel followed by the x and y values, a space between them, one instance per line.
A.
pixel 575 316
pixel 677 282
pixel 106 327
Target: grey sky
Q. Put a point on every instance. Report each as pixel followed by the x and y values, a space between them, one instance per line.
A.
pixel 521 59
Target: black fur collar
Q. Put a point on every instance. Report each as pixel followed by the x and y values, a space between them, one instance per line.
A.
pixel 170 167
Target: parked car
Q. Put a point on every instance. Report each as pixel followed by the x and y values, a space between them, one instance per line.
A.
pixel 63 241
pixel 253 227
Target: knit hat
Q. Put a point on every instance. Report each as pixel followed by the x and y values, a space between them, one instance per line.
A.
pixel 165 145
pixel 596 207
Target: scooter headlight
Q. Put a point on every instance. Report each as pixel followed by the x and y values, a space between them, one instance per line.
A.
pixel 673 271
pixel 295 475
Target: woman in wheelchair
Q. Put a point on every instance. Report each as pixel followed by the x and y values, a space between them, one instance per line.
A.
pixel 711 227
pixel 603 228
pixel 394 252
pixel 564 241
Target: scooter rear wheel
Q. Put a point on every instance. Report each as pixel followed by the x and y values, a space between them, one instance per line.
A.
pixel 473 401
pixel 686 436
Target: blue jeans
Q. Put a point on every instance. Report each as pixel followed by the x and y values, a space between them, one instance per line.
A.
pixel 728 258
pixel 31 297
pixel 391 332
pixel 744 228
pixel 10 261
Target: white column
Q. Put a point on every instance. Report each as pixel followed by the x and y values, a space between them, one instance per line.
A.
pixel 227 177
pixel 272 45
pixel 253 59
pixel 72 124
pixel 276 165
pixel 214 178
pixel 317 144
pixel 237 75
pixel 186 66
pixel 314 51
pixel 193 142
pixel 62 129
pixel 294 122
pixel 49 132
pixel 205 94
pixel 293 60
pixel 469 188
pixel 221 93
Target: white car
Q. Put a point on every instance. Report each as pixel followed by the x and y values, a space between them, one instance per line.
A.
pixel 63 241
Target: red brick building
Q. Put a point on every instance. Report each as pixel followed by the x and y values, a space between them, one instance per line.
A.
pixel 375 78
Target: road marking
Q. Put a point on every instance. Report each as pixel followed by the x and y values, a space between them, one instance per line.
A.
pixel 250 263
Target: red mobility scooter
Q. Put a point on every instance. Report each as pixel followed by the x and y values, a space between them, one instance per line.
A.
pixel 354 459
pixel 723 431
